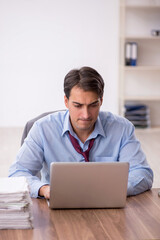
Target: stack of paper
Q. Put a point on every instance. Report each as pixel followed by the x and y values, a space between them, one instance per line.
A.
pixel 138 114
pixel 15 204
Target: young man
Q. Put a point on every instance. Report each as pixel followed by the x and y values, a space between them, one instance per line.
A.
pixel 82 133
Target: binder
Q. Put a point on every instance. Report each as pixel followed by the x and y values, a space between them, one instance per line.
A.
pixel 131 50
pixel 134 54
pixel 128 54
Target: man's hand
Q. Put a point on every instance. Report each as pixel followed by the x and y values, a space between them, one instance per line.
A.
pixel 44 191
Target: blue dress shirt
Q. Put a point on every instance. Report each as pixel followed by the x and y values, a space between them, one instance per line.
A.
pixel 48 141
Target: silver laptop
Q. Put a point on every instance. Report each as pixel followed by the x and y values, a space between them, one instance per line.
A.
pixel 88 185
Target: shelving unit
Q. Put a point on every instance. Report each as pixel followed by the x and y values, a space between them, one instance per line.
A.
pixel 140 83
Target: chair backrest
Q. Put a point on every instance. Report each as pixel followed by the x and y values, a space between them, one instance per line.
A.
pixel 30 123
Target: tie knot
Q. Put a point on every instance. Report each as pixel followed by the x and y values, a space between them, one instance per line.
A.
pixel 77 147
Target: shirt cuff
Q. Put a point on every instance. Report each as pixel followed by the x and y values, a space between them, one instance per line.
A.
pixel 34 189
pixel 130 190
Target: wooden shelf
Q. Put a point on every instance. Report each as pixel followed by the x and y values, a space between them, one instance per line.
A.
pixel 142 98
pixel 144 38
pixel 141 68
pixel 149 7
pixel 141 83
pixel 149 129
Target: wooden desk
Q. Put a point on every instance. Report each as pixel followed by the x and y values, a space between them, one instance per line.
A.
pixel 140 219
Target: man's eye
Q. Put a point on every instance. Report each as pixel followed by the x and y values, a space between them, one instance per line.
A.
pixel 77 106
pixel 95 105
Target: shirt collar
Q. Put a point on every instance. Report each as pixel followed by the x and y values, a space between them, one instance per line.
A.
pixel 98 130
pixel 66 124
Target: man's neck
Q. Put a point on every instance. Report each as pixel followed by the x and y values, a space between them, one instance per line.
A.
pixel 83 134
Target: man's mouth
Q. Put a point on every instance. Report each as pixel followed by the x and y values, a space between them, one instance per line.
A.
pixel 85 119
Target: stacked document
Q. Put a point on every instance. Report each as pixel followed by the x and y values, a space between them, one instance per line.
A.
pixel 138 114
pixel 15 204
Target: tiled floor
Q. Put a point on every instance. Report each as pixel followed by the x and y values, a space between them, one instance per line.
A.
pixel 10 142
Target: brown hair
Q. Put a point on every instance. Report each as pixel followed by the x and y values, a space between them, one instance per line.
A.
pixel 85 78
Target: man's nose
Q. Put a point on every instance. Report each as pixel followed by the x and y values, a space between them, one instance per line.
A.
pixel 85 113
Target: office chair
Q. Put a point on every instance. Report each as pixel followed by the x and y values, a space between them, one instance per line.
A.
pixel 30 123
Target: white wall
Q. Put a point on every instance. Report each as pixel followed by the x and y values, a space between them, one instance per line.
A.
pixel 41 40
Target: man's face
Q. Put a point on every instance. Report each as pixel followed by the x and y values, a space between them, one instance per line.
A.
pixel 83 108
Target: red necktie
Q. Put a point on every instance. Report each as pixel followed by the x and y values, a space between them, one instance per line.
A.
pixel 78 148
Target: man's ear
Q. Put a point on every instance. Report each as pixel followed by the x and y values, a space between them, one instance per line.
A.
pixel 66 101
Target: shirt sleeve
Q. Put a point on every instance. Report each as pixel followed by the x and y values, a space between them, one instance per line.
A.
pixel 140 176
pixel 29 161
